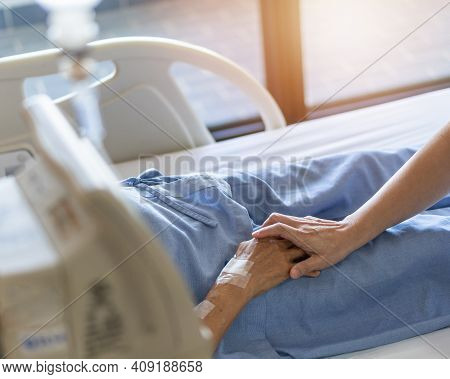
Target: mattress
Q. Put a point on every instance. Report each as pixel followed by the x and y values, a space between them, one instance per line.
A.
pixel 406 122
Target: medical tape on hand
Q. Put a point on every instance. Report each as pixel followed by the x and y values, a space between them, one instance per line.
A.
pixel 238 266
pixel 236 272
pixel 204 309
pixel 237 280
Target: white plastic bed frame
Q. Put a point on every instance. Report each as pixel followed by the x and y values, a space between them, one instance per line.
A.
pixel 407 122
pixel 144 111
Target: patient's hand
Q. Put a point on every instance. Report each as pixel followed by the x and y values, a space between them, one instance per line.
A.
pixel 257 266
pixel 272 260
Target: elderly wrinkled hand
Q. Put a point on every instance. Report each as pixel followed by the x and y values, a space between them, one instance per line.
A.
pixel 257 266
pixel 271 261
pixel 326 242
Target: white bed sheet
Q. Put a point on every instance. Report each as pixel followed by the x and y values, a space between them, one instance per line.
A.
pixel 407 122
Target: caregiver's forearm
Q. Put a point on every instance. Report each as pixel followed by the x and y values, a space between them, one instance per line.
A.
pixel 221 306
pixel 421 182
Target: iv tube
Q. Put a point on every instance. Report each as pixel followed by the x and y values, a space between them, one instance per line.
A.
pixel 71 25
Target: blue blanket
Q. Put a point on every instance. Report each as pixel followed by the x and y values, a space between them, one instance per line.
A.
pixel 393 288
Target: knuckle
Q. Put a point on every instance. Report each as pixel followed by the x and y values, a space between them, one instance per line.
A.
pixel 280 226
pixel 274 216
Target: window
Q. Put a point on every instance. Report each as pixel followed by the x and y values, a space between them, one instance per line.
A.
pixel 316 57
pixel 230 28
pixel 353 53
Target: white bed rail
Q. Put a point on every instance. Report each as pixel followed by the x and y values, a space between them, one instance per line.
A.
pixel 144 110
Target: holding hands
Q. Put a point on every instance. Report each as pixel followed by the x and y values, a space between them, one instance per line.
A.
pixel 401 197
pixel 272 261
pixel 326 242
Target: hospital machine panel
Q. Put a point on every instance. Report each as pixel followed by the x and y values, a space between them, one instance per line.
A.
pixel 81 275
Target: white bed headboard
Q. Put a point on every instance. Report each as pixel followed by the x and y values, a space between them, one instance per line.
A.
pixel 141 95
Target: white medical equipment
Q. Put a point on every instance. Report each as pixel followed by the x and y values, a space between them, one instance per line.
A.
pixel 71 23
pixel 80 274
pixel 71 26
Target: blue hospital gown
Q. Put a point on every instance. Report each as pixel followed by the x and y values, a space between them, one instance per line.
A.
pixel 392 288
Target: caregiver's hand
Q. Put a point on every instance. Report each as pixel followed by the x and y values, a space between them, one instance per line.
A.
pixel 401 197
pixel 326 242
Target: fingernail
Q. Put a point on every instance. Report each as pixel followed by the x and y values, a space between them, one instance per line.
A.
pixel 295 274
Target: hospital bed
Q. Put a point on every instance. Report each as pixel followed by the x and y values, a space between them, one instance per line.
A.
pixel 388 126
pixel 406 122
pixel 140 100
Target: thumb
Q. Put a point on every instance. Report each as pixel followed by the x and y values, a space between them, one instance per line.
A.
pixel 313 263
